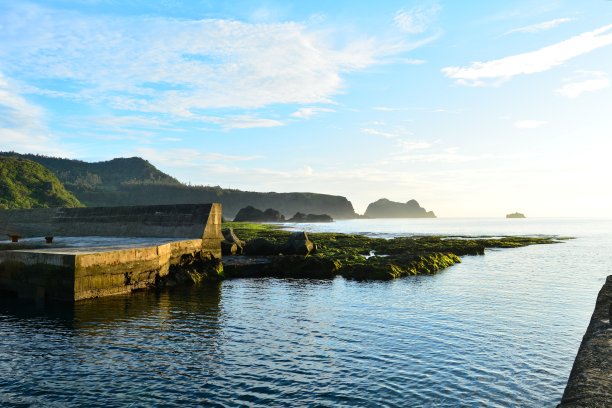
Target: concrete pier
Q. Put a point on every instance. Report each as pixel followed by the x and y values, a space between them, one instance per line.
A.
pixel 590 382
pixel 67 271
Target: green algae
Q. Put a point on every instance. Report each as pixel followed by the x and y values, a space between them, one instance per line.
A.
pixel 366 258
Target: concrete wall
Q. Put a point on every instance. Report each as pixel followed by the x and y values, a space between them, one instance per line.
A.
pixel 180 221
pixel 36 275
pixel 590 382
pixel 69 274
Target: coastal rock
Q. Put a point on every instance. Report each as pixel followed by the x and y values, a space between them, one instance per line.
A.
pixel 229 248
pixel 515 215
pixel 300 217
pixel 252 214
pixel 232 245
pixel 261 247
pixel 298 244
pixel 384 208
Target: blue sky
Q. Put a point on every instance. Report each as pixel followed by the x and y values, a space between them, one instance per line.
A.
pixel 473 108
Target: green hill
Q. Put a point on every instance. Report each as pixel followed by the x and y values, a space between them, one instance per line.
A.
pixel 26 184
pixel 134 181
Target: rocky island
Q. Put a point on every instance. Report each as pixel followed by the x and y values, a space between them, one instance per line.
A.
pixel 515 215
pixel 384 208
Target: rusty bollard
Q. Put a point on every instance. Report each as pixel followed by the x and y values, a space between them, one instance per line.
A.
pixel 49 239
pixel 14 238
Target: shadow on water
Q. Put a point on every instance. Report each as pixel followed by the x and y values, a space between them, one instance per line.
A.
pixel 114 309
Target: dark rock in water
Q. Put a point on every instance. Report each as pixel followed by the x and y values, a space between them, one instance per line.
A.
pixel 298 244
pixel 261 247
pixel 252 214
pixel 300 217
pixel 384 208
pixel 515 215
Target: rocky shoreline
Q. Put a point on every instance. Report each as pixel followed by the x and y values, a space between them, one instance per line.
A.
pixel 264 250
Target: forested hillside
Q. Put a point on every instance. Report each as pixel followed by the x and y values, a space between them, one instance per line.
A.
pixel 27 184
pixel 135 181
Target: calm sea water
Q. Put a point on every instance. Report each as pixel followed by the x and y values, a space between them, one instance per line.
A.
pixel 496 330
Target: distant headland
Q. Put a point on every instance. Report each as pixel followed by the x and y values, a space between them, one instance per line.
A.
pixel 515 215
pixel 384 208
pixel 43 181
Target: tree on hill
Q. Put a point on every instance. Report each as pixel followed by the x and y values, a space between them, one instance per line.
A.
pixel 26 184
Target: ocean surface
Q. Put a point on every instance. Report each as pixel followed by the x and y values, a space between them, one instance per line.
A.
pixel 498 330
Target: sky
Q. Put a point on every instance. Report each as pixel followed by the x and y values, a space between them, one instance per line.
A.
pixel 474 109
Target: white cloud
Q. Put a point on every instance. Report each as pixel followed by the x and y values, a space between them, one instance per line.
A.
pixel 587 81
pixel 546 25
pixel 416 20
pixel 183 68
pixel 22 125
pixel 243 122
pixel 182 157
pixel 531 62
pixel 380 133
pixel 309 112
pixel 529 124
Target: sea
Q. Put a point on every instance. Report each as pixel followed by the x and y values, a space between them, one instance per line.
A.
pixel 498 330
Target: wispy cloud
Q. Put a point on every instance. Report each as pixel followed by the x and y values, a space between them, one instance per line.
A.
pixel 585 81
pixel 309 112
pixel 496 71
pixel 182 157
pixel 22 124
pixel 416 20
pixel 535 28
pixel 243 122
pixel 529 124
pixel 184 68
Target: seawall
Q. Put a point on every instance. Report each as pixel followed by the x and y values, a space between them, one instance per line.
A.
pixel 69 271
pixel 168 221
pixel 590 381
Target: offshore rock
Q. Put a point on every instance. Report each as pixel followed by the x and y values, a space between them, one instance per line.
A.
pixel 300 217
pixel 252 214
pixel 384 208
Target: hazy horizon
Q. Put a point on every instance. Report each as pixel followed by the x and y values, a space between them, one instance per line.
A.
pixel 473 110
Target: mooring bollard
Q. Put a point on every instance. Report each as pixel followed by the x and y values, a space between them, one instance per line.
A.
pixel 14 238
pixel 49 239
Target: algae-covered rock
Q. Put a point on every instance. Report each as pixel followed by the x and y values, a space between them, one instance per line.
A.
pixel 298 244
pixel 261 247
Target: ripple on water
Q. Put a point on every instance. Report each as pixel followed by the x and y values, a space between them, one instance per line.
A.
pixel 499 330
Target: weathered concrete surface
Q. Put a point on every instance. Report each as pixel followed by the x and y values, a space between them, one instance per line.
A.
pixel 67 273
pixel 590 382
pixel 178 221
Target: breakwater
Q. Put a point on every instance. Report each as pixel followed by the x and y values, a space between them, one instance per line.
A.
pixel 68 271
pixel 590 382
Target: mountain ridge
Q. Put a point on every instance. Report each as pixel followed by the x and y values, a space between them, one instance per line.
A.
pixel 135 181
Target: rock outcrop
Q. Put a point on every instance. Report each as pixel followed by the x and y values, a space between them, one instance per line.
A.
pixel 300 217
pixel 384 208
pixel 516 215
pixel 252 214
pixel 231 244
